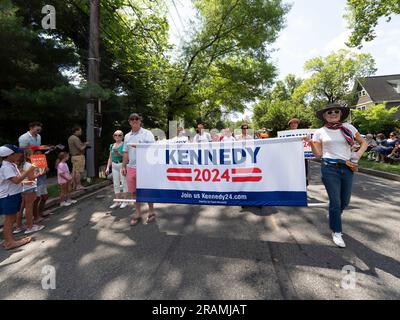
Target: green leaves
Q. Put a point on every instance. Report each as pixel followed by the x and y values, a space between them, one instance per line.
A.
pixel 226 63
pixel 363 15
pixel 375 119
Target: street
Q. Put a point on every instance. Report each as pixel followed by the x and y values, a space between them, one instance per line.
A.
pixel 210 252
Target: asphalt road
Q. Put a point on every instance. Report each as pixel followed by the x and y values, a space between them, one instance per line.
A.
pixel 210 252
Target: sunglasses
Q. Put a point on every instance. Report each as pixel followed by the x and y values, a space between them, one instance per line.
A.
pixel 244 128
pixel 134 118
pixel 333 112
pixel 117 135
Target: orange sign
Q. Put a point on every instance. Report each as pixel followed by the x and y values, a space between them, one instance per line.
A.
pixel 39 161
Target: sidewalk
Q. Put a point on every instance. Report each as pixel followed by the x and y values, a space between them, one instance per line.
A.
pixel 52 202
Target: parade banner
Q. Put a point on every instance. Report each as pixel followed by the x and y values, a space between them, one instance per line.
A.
pixel 267 172
pixel 308 154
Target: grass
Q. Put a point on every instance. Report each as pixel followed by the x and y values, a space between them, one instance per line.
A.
pixel 386 167
pixel 54 189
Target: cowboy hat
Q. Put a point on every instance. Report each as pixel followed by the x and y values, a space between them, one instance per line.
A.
pixel 293 120
pixel 345 111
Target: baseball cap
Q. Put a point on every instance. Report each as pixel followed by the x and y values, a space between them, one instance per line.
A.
pixel 9 149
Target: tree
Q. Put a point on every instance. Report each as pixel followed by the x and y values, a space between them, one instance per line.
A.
pixel 226 63
pixel 363 17
pixel 376 119
pixel 333 76
pixel 278 107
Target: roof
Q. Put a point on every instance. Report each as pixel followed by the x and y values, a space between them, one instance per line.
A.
pixel 379 87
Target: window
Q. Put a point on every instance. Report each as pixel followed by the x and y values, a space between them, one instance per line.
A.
pixel 362 93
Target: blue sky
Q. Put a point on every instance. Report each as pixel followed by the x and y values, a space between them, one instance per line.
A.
pixel 314 28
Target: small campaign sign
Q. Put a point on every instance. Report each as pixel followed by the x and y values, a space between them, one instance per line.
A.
pixel 39 161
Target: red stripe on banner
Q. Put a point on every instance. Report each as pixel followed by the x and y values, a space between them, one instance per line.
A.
pixel 177 170
pixel 246 170
pixel 175 178
pixel 246 179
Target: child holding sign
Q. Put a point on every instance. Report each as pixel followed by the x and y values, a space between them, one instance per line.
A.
pixel 28 197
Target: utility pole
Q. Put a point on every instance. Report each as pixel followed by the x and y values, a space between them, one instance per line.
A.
pixel 92 105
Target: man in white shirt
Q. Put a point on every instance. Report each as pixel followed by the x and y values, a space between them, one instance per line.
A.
pixel 32 137
pixel 201 135
pixel 136 136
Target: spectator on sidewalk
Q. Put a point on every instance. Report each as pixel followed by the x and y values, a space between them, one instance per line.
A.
pixel 136 136
pixel 77 150
pixel 333 144
pixel 385 147
pixel 32 137
pixel 10 193
pixel 64 179
pixel 29 196
pixel 115 163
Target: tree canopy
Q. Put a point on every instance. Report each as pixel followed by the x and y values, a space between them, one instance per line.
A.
pixel 363 16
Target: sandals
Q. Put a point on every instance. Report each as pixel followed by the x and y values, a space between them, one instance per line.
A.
pixel 135 221
pixel 150 218
pixel 17 243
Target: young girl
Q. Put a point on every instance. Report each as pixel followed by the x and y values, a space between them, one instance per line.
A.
pixel 10 193
pixel 28 197
pixel 64 179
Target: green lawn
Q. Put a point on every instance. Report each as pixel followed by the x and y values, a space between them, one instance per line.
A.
pixel 54 190
pixel 392 168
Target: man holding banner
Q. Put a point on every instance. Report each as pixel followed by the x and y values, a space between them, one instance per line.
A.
pixel 133 139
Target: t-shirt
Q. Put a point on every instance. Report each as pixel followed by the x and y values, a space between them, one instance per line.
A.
pixel 75 144
pixel 62 169
pixel 7 188
pixel 141 136
pixel 180 139
pixel 27 140
pixel 334 145
pixel 205 137
pixel 228 139
pixel 246 137
pixel 114 156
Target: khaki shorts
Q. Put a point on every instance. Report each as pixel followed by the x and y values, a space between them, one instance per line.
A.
pixel 78 163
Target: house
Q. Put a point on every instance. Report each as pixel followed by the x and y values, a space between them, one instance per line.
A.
pixel 371 91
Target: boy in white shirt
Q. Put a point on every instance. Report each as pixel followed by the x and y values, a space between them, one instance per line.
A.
pixel 10 193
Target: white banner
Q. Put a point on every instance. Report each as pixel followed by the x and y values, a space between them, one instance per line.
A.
pixel 268 172
pixel 308 154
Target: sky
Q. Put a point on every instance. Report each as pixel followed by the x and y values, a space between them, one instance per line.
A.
pixel 313 28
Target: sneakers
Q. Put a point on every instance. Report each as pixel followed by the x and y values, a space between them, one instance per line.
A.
pixel 18 230
pixel 114 205
pixel 338 240
pixel 71 201
pixel 123 205
pixel 35 228
pixel 65 204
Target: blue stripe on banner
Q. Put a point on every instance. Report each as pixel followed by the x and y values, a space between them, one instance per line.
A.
pixel 280 198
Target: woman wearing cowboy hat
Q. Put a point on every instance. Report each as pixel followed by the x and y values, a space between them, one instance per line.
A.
pixel 332 143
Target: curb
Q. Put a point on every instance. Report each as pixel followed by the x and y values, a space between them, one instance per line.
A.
pixel 56 201
pixel 380 174
pixel 376 173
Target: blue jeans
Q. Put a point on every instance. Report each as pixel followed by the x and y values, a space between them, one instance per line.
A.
pixel 338 181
